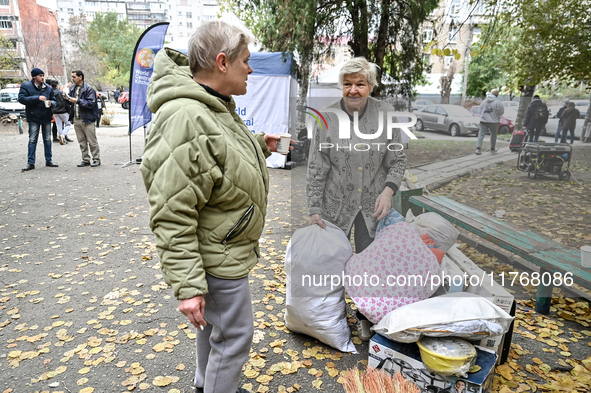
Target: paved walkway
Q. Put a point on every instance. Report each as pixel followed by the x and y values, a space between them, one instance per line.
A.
pixel 432 176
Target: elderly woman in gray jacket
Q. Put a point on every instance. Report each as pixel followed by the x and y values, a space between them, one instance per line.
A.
pixel 351 181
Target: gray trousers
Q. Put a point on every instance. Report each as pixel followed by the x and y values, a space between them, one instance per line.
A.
pixel 224 344
pixel 493 128
pixel 86 135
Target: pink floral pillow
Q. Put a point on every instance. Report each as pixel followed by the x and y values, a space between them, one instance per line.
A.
pixel 395 270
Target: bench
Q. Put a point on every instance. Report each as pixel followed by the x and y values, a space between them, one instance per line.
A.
pixel 550 256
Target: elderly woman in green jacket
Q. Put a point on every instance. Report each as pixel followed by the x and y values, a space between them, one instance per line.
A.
pixel 207 184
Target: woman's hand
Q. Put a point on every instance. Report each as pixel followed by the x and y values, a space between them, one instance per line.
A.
pixel 384 203
pixel 193 309
pixel 315 219
pixel 271 141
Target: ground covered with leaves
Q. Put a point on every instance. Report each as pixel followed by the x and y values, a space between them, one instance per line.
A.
pixel 428 151
pixel 558 209
pixel 83 306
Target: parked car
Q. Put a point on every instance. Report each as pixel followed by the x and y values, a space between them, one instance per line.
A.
pixel 420 104
pixel 9 104
pixel 582 106
pixel 511 104
pixel 124 99
pixel 454 119
pixel 553 120
pixel 506 125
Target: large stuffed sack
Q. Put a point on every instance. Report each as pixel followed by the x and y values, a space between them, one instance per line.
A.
pixel 315 301
pixel 393 271
pixel 441 231
pixel 461 314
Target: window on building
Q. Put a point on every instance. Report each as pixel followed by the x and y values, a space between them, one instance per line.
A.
pixel 453 35
pixel 5 22
pixel 180 23
pixel 189 14
pixel 448 60
pixel 5 2
pixel 456 6
pixel 427 35
pixel 480 8
pixel 190 25
pixel 476 32
pixel 180 13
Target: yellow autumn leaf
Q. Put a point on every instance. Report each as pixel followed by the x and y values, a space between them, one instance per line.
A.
pixel 159 347
pixel 264 379
pixel 317 383
pixel 250 373
pixel 87 390
pixel 81 381
pixel 180 367
pixel 161 381
pixel 144 386
pixel 84 370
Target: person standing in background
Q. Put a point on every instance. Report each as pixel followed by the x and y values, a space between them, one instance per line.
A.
pixel 569 122
pixel 38 98
pixel 83 114
pixel 60 113
pixel 491 111
pixel 559 128
pixel 536 118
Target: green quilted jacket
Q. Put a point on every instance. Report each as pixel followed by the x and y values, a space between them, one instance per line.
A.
pixel 206 178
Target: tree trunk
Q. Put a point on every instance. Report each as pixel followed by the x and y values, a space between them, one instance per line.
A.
pixel 380 50
pixel 586 131
pixel 527 93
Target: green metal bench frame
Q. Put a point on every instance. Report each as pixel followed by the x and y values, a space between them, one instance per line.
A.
pixel 540 250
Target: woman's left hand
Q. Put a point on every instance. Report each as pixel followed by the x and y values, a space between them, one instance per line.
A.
pixel 383 203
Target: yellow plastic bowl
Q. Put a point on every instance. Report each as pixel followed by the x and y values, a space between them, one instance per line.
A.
pixel 447 365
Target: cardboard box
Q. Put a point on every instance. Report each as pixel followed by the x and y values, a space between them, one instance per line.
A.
pixel 406 359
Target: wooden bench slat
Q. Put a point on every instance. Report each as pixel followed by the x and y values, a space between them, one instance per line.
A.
pixel 538 249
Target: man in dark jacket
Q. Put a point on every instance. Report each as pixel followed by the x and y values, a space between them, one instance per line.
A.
pixel 569 122
pixel 536 118
pixel 83 115
pixel 559 128
pixel 37 97
pixel 61 113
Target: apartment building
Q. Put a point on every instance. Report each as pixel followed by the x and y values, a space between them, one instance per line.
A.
pixel 32 37
pixel 183 15
pixel 454 24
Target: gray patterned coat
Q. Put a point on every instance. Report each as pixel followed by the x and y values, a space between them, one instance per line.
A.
pixel 342 182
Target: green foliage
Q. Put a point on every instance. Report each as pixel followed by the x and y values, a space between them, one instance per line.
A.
pixel 550 39
pixel 113 41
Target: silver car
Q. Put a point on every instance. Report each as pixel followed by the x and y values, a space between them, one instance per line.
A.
pixel 453 119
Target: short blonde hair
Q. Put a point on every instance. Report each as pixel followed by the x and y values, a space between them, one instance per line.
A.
pixel 212 38
pixel 359 65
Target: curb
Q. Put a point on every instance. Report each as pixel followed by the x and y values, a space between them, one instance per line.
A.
pixel 504 256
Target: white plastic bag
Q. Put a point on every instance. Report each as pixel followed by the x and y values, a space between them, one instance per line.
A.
pixel 461 314
pixel 441 231
pixel 315 301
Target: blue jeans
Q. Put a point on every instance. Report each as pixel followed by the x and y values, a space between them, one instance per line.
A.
pixel 34 135
pixel 565 133
pixel 557 135
pixel 534 134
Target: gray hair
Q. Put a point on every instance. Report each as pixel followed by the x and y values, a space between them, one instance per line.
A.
pixel 212 38
pixel 359 65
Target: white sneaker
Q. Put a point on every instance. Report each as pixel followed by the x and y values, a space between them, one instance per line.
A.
pixel 478 151
pixel 493 151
